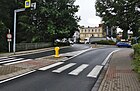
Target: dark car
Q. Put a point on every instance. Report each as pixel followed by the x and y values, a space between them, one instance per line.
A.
pixel 123 44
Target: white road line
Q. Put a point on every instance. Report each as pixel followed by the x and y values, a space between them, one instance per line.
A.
pixel 59 70
pixel 51 66
pixel 17 76
pixel 79 69
pixel 105 61
pixel 96 70
pixel 11 60
pixel 18 62
pixel 3 59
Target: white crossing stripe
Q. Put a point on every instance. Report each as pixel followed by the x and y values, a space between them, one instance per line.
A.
pixel 96 70
pixel 59 70
pixel 51 66
pixel 8 58
pixel 12 60
pixel 79 69
pixel 18 62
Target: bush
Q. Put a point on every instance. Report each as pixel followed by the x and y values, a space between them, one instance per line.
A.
pixel 61 44
pixel 136 60
pixel 136 64
pixel 104 42
pixel 136 48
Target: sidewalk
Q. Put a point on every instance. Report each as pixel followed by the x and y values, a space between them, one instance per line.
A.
pixel 119 75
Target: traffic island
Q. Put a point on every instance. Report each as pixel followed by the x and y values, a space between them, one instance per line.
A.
pixel 10 71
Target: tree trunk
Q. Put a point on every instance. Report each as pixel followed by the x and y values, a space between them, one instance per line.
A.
pixel 125 35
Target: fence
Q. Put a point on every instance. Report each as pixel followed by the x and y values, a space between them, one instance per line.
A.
pixel 29 46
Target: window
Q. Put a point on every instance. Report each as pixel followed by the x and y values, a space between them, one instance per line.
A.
pixel 84 30
pixel 99 30
pixel 95 30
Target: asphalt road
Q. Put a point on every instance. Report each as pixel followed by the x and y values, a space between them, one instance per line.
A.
pixel 75 47
pixel 49 80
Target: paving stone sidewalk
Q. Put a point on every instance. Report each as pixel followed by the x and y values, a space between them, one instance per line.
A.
pixel 120 75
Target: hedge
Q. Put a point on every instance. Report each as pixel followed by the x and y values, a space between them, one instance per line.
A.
pixel 104 42
pixel 136 60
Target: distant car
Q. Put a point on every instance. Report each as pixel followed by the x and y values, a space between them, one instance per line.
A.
pixel 64 40
pixel 123 44
pixel 57 40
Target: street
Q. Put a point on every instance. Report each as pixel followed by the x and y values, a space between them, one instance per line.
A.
pixel 77 74
pixel 27 57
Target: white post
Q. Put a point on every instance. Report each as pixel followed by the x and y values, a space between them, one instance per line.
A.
pixel 9 46
pixel 15 17
pixel 14 41
pixel 9 42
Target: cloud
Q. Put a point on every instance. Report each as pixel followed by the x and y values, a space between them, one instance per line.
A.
pixel 87 12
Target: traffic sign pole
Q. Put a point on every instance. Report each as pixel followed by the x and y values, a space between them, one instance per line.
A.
pixel 15 16
pixel 9 39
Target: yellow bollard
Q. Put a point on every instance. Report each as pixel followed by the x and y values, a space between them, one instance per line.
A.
pixel 56 52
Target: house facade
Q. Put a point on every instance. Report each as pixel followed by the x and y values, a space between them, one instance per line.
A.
pixel 87 32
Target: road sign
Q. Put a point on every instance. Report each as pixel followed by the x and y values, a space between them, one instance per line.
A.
pixel 9 40
pixel 27 3
pixel 33 6
pixel 9 36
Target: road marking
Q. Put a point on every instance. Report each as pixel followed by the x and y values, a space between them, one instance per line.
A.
pixel 4 57
pixel 59 70
pixel 11 60
pixel 18 62
pixel 79 69
pixel 17 76
pixel 8 58
pixel 51 66
pixel 94 73
pixel 106 60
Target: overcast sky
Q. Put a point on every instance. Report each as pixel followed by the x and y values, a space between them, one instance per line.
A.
pixel 87 13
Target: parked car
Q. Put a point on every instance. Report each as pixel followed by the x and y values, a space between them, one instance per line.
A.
pixel 57 40
pixel 123 44
pixel 64 40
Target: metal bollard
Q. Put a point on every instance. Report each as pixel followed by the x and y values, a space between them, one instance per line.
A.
pixel 56 52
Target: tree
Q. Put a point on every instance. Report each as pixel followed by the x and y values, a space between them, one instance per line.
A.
pixel 3 41
pixel 120 13
pixel 52 19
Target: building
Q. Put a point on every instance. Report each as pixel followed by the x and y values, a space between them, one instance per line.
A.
pixel 87 32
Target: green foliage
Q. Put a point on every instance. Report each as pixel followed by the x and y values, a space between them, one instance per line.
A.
pixel 136 61
pixel 136 48
pixel 52 19
pixel 121 13
pixel 105 42
pixel 3 40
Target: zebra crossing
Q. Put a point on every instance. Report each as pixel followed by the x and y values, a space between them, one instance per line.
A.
pixel 92 74
pixel 12 60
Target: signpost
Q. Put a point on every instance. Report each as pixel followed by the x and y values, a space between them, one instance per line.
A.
pixel 28 4
pixel 9 39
